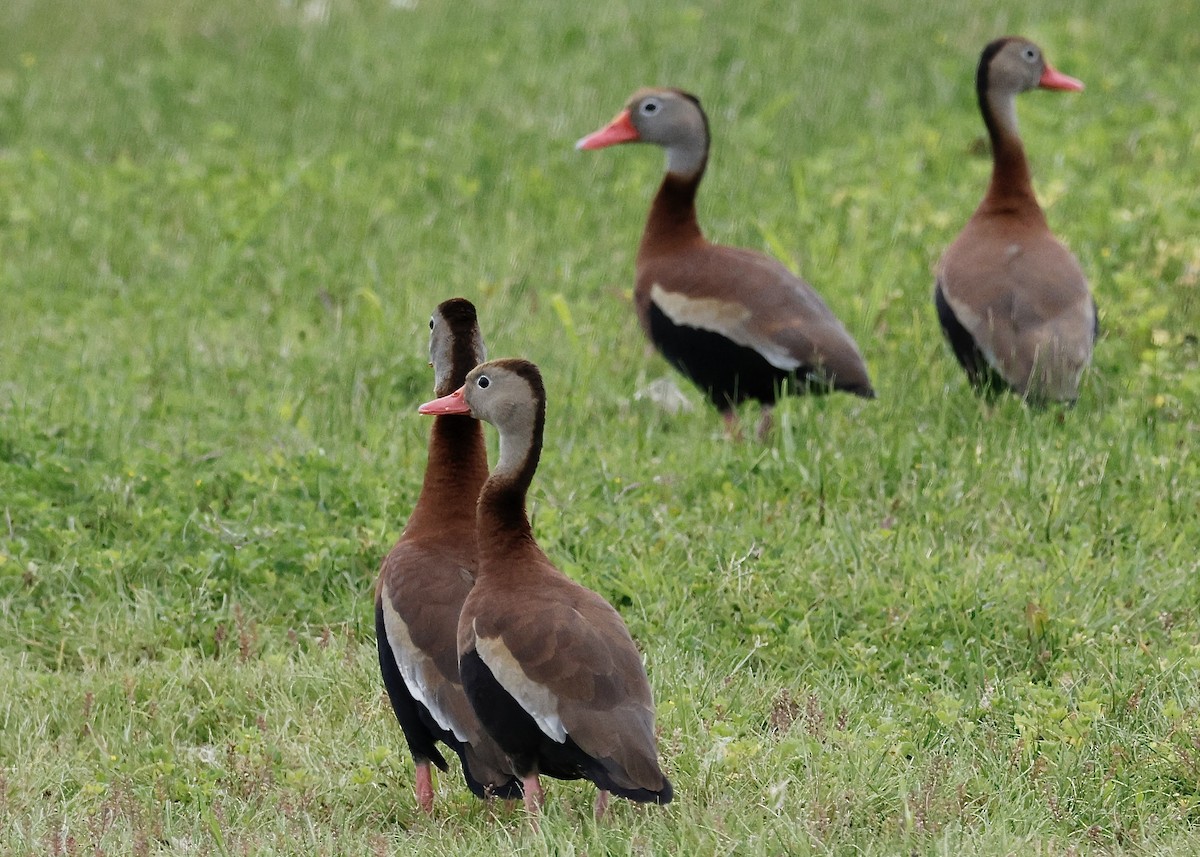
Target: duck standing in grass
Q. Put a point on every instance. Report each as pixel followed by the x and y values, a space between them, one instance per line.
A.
pixel 739 324
pixel 548 665
pixel 426 577
pixel 1012 301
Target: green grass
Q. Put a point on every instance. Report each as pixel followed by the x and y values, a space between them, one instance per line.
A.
pixel 915 625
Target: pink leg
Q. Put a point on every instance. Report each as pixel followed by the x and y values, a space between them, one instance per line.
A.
pixel 601 804
pixel 424 787
pixel 733 431
pixel 533 794
pixel 764 422
pixel 533 799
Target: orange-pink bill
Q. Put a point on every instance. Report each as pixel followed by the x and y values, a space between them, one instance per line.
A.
pixel 620 130
pixel 455 403
pixel 1052 78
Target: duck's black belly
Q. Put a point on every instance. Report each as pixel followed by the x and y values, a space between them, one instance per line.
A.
pixel 529 748
pixel 979 371
pixel 421 730
pixel 514 729
pixel 726 372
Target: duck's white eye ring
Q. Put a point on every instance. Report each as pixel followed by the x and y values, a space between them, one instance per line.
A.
pixel 1030 54
pixel 650 106
pixel 483 382
pixel 431 322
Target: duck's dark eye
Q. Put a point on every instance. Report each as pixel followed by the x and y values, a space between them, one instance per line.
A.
pixel 431 324
pixel 483 382
pixel 650 106
pixel 1029 54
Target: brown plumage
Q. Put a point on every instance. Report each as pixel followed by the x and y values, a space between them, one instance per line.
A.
pixel 426 577
pixel 548 664
pixel 736 322
pixel 1013 301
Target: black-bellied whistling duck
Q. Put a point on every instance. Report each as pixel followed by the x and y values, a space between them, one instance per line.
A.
pixel 548 664
pixel 737 323
pixel 425 579
pixel 1012 301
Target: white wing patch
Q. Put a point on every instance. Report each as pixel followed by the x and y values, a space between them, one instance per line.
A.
pixel 414 665
pixel 727 318
pixel 533 697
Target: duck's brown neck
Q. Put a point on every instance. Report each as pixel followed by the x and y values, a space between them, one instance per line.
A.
pixel 1011 185
pixel 672 221
pixel 1010 190
pixel 454 475
pixel 503 525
